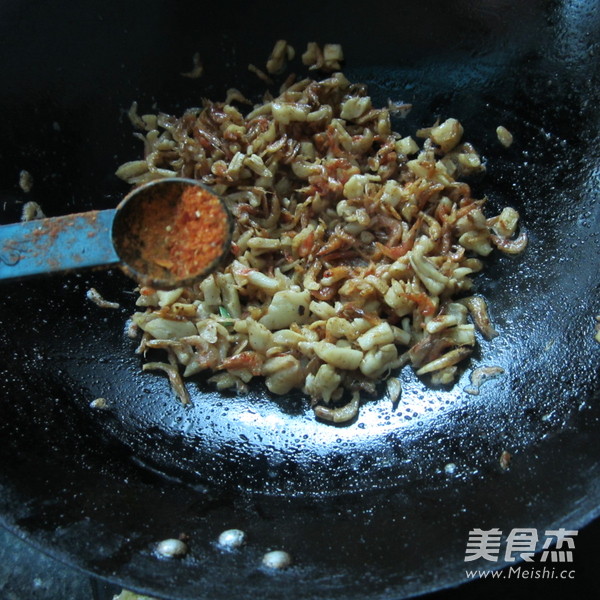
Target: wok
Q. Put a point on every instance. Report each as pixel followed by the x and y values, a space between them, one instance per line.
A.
pixel 368 510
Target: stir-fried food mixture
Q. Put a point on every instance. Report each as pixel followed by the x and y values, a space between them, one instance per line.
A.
pixel 353 251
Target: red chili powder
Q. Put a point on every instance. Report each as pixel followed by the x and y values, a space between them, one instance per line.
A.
pixel 198 232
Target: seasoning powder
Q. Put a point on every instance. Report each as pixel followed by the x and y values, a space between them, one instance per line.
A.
pixel 197 233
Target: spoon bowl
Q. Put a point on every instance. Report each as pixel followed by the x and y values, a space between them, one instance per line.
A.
pixel 151 236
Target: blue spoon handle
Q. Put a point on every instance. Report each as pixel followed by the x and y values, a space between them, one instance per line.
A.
pixel 57 244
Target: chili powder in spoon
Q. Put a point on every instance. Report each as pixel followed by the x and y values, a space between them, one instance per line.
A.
pixel 196 235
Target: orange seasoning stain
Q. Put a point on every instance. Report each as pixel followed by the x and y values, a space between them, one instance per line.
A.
pixel 197 233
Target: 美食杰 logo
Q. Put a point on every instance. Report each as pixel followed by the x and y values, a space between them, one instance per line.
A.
pixel 522 543
pixel 557 547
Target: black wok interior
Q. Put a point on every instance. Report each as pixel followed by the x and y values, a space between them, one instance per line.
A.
pixel 367 510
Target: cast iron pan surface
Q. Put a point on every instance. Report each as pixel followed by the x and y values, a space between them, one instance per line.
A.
pixel 369 510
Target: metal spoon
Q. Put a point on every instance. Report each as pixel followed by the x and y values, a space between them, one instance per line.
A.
pixel 134 236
